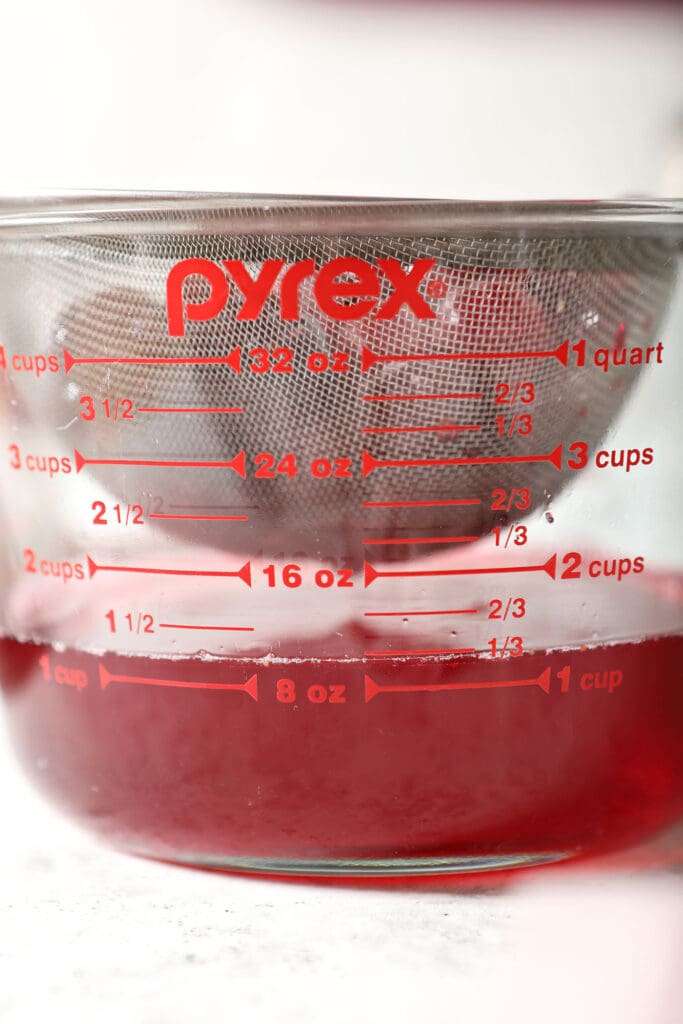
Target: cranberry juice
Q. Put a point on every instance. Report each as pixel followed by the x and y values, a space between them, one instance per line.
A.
pixel 310 762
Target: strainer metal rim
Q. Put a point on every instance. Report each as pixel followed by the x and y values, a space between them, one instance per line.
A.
pixel 158 213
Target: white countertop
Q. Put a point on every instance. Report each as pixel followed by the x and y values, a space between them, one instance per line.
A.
pixel 91 935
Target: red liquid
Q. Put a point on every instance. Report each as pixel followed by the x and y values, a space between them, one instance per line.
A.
pixel 214 775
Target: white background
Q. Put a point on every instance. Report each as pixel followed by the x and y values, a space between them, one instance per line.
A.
pixel 443 99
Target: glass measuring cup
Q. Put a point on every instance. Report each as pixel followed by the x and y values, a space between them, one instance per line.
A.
pixel 341 536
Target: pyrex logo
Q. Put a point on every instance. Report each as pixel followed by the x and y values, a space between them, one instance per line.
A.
pixel 344 288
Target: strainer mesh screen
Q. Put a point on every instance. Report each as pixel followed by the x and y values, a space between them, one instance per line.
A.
pixel 105 297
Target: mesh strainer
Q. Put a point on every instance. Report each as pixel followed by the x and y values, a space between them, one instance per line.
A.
pixel 495 291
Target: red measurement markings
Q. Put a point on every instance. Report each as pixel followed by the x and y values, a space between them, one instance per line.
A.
pixel 243 574
pixel 372 574
pixel 237 464
pixel 369 358
pixel 503 501
pixel 515 534
pixel 511 646
pixel 509 393
pixel 233 360
pixel 423 397
pixel 441 503
pixel 443 428
pixel 250 687
pixel 202 519
pixel 422 653
pixel 168 409
pixel 438 611
pixel 372 688
pixel 519 424
pixel 219 629
pixel 514 607
pixel 370 463
pixel 419 540
pixel 217 508
pixel 121 409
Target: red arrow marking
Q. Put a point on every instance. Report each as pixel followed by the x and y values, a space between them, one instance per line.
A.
pixel 243 574
pixel 237 464
pixel 369 463
pixel 369 358
pixel 250 687
pixel 372 574
pixel 372 688
pixel 233 360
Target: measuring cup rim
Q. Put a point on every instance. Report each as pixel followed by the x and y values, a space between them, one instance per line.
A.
pixel 112 213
